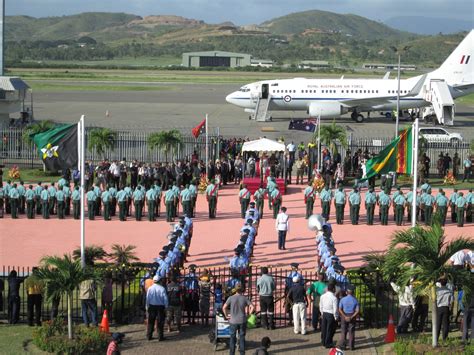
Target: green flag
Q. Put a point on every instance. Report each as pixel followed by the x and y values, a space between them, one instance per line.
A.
pixel 397 156
pixel 58 147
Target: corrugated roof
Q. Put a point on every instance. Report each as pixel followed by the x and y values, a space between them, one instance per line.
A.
pixel 217 54
pixel 8 83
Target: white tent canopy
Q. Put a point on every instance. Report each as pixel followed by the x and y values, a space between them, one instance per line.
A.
pixel 263 145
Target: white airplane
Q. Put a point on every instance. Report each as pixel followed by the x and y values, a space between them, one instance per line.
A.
pixel 329 98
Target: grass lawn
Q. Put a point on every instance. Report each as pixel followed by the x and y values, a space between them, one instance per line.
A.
pixel 36 175
pixel 466 100
pixel 93 87
pixel 17 339
pixel 171 76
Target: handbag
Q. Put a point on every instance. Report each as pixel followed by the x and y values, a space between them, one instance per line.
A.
pixel 252 321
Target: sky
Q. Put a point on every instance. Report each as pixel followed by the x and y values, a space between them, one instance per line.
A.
pixel 242 12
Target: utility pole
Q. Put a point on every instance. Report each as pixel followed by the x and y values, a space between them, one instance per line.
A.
pixel 399 53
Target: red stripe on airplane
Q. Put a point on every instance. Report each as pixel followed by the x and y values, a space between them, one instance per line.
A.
pixel 462 59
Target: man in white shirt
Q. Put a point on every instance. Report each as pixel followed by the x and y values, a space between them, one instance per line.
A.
pixel 291 147
pixel 282 225
pixel 458 259
pixel 329 312
pixel 406 303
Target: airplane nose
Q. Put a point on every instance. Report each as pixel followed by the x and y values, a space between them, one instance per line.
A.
pixel 229 99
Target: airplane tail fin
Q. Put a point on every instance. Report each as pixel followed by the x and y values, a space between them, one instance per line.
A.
pixel 458 69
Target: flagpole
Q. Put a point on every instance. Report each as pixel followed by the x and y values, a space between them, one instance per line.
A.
pixel 415 173
pixel 319 142
pixel 82 171
pixel 207 148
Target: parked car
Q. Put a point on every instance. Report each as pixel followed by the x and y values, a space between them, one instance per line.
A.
pixel 437 135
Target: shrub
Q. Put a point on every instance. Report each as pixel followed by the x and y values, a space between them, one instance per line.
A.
pixel 52 337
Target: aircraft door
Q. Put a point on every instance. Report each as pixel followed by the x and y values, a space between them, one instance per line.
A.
pixel 265 91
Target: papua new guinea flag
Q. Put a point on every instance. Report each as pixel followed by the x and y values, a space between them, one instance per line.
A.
pixel 58 147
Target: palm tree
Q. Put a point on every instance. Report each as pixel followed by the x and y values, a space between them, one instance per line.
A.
pixel 165 140
pixel 63 276
pixel 422 254
pixel 101 139
pixel 35 128
pixel 332 133
pixel 92 253
pixel 123 254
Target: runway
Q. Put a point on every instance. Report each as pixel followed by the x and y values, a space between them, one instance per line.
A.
pixel 184 105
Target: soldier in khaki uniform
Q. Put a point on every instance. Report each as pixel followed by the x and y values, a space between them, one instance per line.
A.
pixel 300 165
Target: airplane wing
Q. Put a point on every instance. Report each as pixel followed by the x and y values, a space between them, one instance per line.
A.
pixel 386 76
pixel 381 100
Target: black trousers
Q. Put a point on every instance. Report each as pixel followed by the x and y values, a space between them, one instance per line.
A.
pixel 267 309
pixel 328 328
pixel 443 321
pixel 281 239
pixel 13 309
pixel 34 309
pixel 156 313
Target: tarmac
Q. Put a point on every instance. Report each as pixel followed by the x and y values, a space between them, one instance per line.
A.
pixel 184 105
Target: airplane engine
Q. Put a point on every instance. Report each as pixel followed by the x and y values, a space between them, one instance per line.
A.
pixel 326 109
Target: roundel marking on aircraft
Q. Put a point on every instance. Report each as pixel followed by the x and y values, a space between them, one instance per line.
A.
pixel 287 98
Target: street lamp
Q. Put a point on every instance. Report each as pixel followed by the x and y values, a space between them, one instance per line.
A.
pixel 398 51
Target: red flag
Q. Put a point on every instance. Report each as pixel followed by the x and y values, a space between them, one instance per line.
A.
pixel 199 129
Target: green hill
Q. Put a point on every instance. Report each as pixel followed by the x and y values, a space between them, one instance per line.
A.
pixel 323 21
pixel 62 28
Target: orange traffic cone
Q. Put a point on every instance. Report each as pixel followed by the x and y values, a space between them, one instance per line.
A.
pixel 104 324
pixel 390 337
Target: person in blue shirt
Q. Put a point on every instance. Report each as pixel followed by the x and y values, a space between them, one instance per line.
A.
pixel 22 200
pixel 61 202
pixel 348 311
pixel 122 199
pixel 52 198
pixel 138 197
pixel 191 294
pixel 156 303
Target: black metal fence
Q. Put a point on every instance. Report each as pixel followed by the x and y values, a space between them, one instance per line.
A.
pixel 128 144
pixel 376 298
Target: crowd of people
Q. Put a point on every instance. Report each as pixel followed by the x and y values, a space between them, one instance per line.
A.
pixel 414 309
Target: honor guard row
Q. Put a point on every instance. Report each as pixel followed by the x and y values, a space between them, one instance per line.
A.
pixel 461 205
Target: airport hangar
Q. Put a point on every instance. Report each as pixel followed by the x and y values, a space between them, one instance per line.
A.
pixel 222 59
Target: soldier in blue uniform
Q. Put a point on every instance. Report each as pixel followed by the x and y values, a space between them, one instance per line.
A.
pixel 399 203
pixel 61 202
pixel 21 200
pixel 340 202
pixel 452 204
pixel 150 197
pixel 67 196
pixel 45 202
pixel 384 202
pixel 428 202
pixel 113 200
pixel 252 213
pixel 76 202
pixel 52 198
pixel 326 197
pixel 38 188
pixel 138 197
pixel 354 203
pixel 30 202
pixel 91 203
pixel 370 201
pixel 191 294
pixel 14 196
pixel 442 206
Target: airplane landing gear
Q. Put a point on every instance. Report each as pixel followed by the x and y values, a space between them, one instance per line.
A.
pixel 357 117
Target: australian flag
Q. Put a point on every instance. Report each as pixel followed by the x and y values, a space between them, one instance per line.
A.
pixel 303 125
